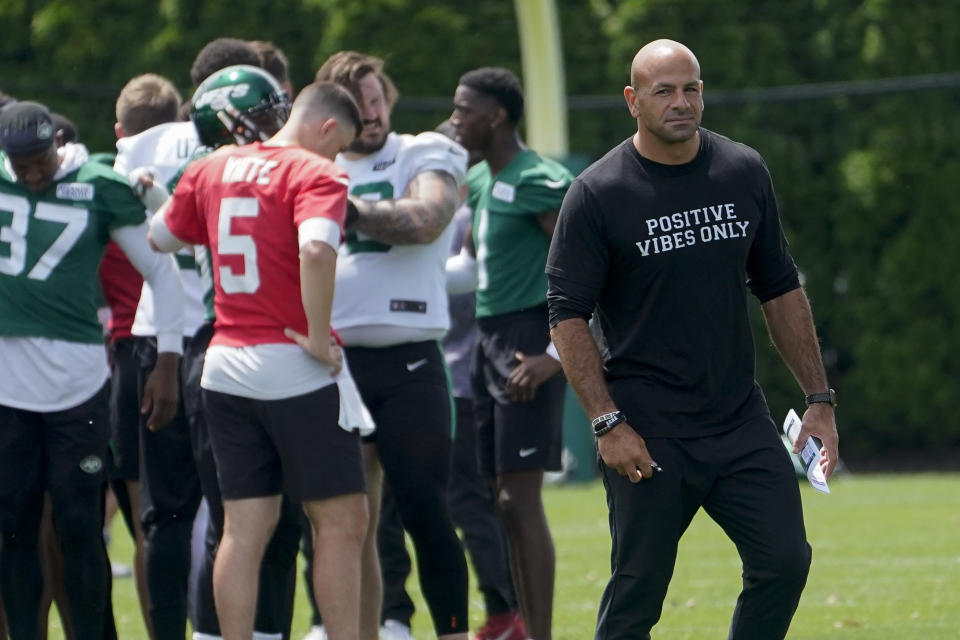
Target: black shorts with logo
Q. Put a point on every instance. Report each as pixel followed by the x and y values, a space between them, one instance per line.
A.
pixel 515 436
pixel 43 450
pixel 291 445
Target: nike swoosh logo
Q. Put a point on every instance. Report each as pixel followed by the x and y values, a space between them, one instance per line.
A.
pixel 413 366
pixel 555 184
pixel 526 453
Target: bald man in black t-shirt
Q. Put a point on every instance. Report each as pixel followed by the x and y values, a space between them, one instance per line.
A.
pixel 663 237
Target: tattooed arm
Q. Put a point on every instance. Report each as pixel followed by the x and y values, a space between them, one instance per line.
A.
pixel 419 217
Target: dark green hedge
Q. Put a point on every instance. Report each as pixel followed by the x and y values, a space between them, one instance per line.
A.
pixel 868 182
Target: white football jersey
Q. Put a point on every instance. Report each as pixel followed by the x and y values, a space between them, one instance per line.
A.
pixel 164 149
pixel 387 294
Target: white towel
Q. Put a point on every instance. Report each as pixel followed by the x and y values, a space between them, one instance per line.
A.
pixel 353 412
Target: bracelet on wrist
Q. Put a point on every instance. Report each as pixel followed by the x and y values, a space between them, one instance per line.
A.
pixel 605 423
pixel 603 418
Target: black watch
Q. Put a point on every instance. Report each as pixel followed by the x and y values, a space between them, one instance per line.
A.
pixel 829 396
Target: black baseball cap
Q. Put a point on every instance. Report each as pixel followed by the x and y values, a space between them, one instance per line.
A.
pixel 26 128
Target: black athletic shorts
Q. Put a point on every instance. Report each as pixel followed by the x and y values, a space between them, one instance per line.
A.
pixel 124 411
pixel 191 369
pixel 40 450
pixel 292 445
pixel 515 436
pixel 406 387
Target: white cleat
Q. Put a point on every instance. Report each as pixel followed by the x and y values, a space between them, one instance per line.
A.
pixel 318 632
pixel 395 630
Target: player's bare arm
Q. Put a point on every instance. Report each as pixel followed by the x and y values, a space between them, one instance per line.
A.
pixel 790 323
pixel 468 240
pixel 532 370
pixel 621 448
pixel 419 217
pixel 318 264
pixel 162 389
pixel 548 222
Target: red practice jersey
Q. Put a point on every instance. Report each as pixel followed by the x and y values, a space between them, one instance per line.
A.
pixel 121 284
pixel 246 204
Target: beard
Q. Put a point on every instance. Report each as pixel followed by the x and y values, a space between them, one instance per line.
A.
pixel 367 146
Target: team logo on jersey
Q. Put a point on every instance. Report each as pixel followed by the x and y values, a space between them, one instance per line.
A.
pixel 75 191
pixel 383 164
pixel 503 191
pixel 91 464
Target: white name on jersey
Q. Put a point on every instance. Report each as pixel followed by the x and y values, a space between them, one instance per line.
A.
pixel 75 191
pixel 247 169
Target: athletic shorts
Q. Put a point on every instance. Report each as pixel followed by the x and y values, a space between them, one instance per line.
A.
pixel 124 411
pixel 515 436
pixel 292 445
pixel 42 450
pixel 406 389
pixel 191 369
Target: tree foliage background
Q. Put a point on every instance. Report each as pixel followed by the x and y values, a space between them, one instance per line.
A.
pixel 868 183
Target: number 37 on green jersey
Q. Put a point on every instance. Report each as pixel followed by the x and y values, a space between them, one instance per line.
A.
pixel 40 240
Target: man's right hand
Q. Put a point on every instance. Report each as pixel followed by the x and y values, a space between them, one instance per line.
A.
pixel 161 393
pixel 623 449
pixel 326 349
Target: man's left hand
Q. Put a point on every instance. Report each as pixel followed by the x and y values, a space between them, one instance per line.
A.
pixel 818 420
pixel 530 372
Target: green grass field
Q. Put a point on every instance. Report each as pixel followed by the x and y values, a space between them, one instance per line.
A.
pixel 886 564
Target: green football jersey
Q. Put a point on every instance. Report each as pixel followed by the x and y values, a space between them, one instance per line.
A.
pixel 50 250
pixel 106 158
pixel 203 263
pixel 511 246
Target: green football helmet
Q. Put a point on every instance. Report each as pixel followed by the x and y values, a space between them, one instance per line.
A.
pixel 238 105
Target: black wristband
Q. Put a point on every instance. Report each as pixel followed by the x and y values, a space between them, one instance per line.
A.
pixel 827 397
pixel 607 422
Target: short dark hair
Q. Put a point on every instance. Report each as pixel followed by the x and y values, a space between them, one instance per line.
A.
pixel 6 99
pixel 26 128
pixel 274 60
pixel 220 53
pixel 65 127
pixel 500 83
pixel 183 111
pixel 332 98
pixel 146 101
pixel 347 68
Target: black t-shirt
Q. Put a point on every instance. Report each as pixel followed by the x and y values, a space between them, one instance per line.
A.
pixel 665 254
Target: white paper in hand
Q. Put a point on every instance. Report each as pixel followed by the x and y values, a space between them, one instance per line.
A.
pixel 809 456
